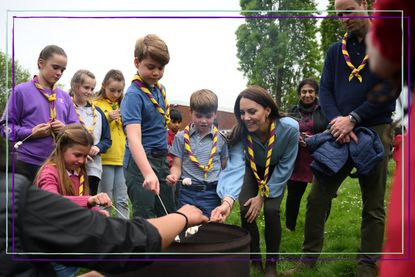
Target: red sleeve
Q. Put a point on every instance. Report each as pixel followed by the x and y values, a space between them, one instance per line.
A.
pixel 49 180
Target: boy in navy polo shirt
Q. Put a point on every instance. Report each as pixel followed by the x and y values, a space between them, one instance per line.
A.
pixel 200 152
pixel 145 114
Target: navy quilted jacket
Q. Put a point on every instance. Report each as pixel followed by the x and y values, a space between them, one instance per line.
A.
pixel 330 156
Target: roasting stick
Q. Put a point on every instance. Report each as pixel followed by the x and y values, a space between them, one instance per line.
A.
pixel 118 211
pixel 164 207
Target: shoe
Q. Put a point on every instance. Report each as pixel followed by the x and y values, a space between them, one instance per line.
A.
pixel 270 269
pixel 289 230
pixel 257 266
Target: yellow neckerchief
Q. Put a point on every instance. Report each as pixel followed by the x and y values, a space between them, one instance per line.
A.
pixel 262 184
pixel 51 98
pixel 355 71
pixel 94 117
pixel 140 84
pixel 192 157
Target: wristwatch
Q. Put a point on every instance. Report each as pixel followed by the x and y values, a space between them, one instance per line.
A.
pixel 352 119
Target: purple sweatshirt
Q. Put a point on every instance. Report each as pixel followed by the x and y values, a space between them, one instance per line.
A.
pixel 27 107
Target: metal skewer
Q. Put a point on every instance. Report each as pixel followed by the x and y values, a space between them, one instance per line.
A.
pixel 118 211
pixel 164 207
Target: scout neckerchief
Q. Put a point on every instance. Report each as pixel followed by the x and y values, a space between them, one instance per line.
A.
pixel 51 98
pixel 94 117
pixel 209 166
pixel 355 71
pixel 141 85
pixel 262 184
pixel 81 181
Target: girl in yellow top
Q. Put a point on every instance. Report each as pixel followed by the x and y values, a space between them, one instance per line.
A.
pixel 113 182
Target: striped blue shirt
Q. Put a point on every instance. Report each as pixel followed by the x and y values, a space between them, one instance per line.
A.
pixel 201 147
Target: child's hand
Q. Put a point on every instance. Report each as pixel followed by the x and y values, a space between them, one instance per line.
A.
pixel 113 115
pixel 101 199
pixel 57 126
pixel 94 151
pixel 41 130
pixel 151 183
pixel 171 179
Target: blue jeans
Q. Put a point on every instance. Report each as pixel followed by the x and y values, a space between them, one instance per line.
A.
pixel 205 200
pixel 113 183
pixel 65 271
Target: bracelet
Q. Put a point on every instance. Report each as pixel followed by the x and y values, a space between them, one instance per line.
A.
pixel 227 202
pixel 185 217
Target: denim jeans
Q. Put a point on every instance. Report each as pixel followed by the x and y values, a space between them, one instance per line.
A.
pixel 113 183
pixel 205 200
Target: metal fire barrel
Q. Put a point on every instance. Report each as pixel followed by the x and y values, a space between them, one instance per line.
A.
pixel 215 250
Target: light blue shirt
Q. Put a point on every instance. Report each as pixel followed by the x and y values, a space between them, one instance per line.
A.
pixel 284 154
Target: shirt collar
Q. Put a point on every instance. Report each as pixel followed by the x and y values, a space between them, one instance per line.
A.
pixel 75 173
pixel 193 130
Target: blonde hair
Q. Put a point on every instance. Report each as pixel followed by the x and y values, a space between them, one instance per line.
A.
pixel 78 79
pixel 152 46
pixel 204 101
pixel 73 134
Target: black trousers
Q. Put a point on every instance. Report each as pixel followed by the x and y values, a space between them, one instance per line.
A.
pixel 271 215
pixel 93 185
pixel 295 193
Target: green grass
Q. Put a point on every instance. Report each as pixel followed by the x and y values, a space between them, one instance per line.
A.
pixel 342 232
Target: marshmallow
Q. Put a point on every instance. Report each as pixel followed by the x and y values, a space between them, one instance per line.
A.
pixel 17 144
pixel 187 181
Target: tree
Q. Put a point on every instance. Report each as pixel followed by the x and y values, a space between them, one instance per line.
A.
pixel 20 75
pixel 276 50
pixel 331 29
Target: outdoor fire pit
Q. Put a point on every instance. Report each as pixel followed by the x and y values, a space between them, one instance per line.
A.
pixel 212 251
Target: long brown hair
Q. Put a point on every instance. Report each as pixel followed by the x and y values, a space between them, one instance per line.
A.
pixel 258 95
pixel 73 134
pixel 112 75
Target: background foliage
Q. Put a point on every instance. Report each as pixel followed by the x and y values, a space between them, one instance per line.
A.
pixel 20 75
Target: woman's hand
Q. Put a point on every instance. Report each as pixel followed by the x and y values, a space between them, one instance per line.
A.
pixel 101 199
pixel 255 205
pixel 220 213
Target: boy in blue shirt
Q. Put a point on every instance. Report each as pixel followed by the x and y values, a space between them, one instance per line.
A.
pixel 145 115
pixel 200 152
